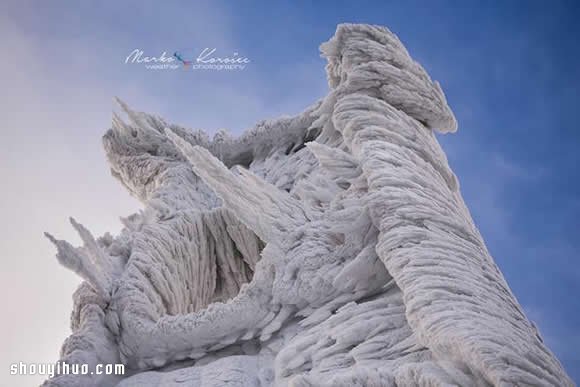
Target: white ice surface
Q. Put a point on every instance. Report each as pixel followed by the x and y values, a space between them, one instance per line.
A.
pixel 328 249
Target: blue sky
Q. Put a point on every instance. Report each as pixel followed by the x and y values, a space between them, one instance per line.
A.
pixel 510 70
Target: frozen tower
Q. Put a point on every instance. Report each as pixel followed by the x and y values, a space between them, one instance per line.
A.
pixel 328 249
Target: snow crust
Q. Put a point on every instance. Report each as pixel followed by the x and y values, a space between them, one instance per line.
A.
pixel 328 249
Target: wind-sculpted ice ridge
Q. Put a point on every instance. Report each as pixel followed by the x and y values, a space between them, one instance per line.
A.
pixel 328 249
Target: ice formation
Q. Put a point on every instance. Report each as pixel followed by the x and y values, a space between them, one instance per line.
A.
pixel 328 249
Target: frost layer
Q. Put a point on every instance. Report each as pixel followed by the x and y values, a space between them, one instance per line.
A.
pixel 328 249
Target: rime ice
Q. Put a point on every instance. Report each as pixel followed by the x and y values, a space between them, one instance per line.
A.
pixel 328 249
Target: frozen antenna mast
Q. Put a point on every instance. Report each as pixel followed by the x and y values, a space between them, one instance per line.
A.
pixel 328 249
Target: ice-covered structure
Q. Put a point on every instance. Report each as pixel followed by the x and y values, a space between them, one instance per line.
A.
pixel 328 249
